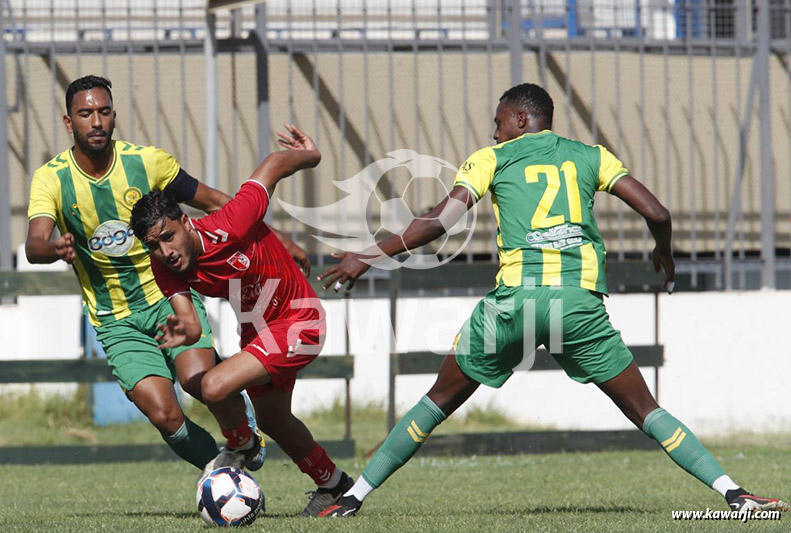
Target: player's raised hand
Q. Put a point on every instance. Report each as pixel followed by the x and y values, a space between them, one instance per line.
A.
pixel 664 261
pixel 172 333
pixel 295 139
pixel 64 247
pixel 349 269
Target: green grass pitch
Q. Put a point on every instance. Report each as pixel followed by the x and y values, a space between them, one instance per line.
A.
pixel 610 491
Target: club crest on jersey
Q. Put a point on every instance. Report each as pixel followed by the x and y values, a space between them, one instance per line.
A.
pixel 239 261
pixel 132 195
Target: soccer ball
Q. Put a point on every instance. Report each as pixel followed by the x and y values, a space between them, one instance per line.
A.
pixel 229 497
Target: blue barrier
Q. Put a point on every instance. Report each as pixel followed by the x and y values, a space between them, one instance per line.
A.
pixel 110 404
pixel 688 14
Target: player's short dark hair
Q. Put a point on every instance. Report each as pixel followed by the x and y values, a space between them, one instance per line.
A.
pixel 151 209
pixel 86 83
pixel 532 99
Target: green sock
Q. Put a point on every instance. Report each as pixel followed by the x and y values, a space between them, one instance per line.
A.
pixel 405 439
pixel 193 444
pixel 682 446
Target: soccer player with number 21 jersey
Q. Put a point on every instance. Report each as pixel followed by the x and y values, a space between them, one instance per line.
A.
pixel 550 289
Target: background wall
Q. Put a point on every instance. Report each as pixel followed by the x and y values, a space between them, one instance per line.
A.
pixel 673 120
pixel 727 359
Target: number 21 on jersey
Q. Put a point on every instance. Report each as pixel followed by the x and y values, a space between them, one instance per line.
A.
pixel 541 218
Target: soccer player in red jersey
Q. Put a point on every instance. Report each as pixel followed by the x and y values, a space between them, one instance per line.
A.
pixel 233 254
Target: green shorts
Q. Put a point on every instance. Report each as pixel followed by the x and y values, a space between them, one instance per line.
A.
pixel 131 350
pixel 571 322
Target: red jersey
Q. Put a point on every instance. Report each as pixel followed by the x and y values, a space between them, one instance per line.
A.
pixel 244 262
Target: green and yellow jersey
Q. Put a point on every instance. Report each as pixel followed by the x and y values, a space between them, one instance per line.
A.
pixel 542 188
pixel 113 267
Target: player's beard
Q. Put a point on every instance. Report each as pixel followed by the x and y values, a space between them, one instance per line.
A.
pixel 91 149
pixel 188 264
pixel 188 259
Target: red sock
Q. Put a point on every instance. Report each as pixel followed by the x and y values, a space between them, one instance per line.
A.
pixel 317 465
pixel 238 437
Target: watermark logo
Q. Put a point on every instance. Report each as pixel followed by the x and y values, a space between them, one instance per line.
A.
pixel 388 211
pixel 532 319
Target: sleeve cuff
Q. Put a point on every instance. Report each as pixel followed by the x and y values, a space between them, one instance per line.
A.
pixel 610 185
pixel 268 197
pixel 38 215
pixel 177 293
pixel 260 185
pixel 469 188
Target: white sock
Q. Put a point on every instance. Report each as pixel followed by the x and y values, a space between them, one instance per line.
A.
pixel 723 484
pixel 360 490
pixel 335 478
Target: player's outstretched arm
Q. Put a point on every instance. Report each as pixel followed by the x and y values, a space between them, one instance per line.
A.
pixel 300 153
pixel 208 199
pixel 38 247
pixel 181 328
pixel 639 198
pixel 421 231
pixel 188 190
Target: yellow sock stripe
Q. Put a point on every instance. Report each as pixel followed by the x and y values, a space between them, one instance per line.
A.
pixel 671 439
pixel 676 444
pixel 413 435
pixel 418 430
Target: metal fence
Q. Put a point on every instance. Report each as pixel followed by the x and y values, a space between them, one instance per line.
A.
pixel 692 95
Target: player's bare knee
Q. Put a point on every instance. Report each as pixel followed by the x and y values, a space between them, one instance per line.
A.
pixel 214 389
pixel 167 419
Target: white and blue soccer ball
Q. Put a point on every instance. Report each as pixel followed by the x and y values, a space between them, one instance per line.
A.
pixel 229 497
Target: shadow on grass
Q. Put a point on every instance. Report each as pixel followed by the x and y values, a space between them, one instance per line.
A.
pixel 191 515
pixel 567 509
pixel 583 509
pixel 152 514
pixel 265 516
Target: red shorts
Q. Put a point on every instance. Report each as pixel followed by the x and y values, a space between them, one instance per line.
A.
pixel 284 347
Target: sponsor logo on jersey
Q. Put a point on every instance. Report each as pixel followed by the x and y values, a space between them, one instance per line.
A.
pixel 560 237
pixel 239 261
pixel 217 236
pixel 132 195
pixel 113 238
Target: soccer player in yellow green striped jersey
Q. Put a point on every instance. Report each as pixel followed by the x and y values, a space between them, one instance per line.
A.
pixel 88 191
pixel 550 289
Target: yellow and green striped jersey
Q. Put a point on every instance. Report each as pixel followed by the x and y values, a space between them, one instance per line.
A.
pixel 113 267
pixel 542 188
